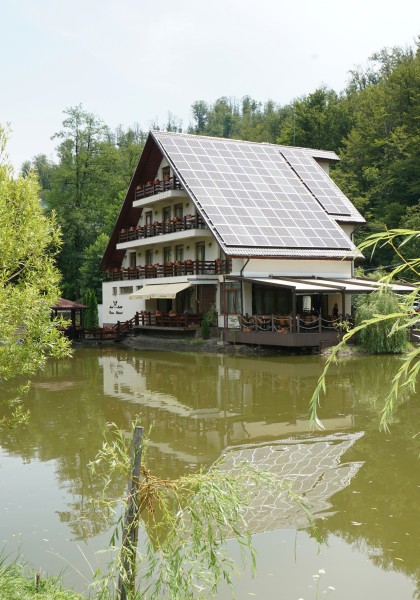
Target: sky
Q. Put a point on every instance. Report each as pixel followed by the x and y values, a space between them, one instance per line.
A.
pixel 135 61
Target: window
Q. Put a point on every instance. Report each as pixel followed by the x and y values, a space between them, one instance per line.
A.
pixel 179 253
pixel 166 172
pixel 232 300
pixel 200 251
pixel 127 289
pixel 166 213
pixel 149 257
pixel 132 259
pixel 179 211
pixel 167 254
pixel 114 291
pixel 148 217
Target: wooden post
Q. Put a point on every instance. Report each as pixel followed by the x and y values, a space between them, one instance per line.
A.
pixel 294 323
pixel 126 580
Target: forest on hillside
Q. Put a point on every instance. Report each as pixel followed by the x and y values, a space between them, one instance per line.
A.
pixel 373 125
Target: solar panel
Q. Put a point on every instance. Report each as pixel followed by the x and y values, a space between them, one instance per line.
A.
pixel 255 176
pixel 320 184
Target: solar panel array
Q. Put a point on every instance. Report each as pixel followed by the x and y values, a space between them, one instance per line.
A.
pixel 320 184
pixel 250 195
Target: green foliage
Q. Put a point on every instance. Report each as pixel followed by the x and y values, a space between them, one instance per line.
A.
pixel 29 242
pixel 380 156
pixel 380 337
pixel 90 316
pixel 319 120
pixel 402 318
pixel 90 275
pixel 209 320
pixel 16 584
pixel 185 524
pixel 85 189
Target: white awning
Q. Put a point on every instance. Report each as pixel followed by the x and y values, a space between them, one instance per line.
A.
pixel 312 285
pixel 166 291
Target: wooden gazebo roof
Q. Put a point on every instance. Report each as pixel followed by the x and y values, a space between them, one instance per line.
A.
pixel 64 304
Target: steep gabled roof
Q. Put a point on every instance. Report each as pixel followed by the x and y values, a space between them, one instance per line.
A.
pixel 258 199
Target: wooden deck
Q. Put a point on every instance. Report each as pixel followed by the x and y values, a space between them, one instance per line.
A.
pixel 283 330
pixel 317 339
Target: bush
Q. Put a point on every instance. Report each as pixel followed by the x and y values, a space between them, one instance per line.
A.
pixel 380 338
pixel 209 320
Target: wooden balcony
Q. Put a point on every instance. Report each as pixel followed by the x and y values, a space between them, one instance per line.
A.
pixel 174 225
pixel 172 269
pixel 151 188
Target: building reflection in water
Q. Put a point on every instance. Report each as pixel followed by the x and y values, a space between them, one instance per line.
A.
pixel 245 409
pixel 309 464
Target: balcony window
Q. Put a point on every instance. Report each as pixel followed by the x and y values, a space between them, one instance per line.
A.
pixel 148 217
pixel 179 253
pixel 166 173
pixel 149 257
pixel 132 259
pixel 178 211
pixel 166 213
pixel 167 254
pixel 200 251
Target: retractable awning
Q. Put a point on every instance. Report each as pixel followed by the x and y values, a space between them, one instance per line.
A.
pixel 166 291
pixel 312 285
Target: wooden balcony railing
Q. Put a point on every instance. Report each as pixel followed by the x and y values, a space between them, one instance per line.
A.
pixel 140 232
pixel 172 269
pixel 286 324
pixel 172 319
pixel 151 188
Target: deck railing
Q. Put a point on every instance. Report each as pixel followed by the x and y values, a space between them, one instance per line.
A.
pixel 171 269
pixel 173 225
pixel 151 188
pixel 171 320
pixel 286 323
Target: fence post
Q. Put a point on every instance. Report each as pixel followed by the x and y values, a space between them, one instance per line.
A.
pixel 126 580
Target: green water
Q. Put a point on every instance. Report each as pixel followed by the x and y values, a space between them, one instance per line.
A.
pixel 366 494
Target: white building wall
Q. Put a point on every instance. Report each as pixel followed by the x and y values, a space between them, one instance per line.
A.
pixel 257 267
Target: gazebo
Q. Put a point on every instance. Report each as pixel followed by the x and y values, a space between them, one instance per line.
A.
pixel 63 308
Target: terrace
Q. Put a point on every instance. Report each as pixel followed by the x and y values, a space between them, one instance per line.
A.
pixel 157 186
pixel 171 269
pixel 161 228
pixel 284 330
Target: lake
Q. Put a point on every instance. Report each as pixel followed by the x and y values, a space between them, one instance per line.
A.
pixel 363 484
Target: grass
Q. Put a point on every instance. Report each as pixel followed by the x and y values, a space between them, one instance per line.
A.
pixel 15 584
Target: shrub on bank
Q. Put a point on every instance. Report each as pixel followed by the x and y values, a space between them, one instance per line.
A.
pixel 15 583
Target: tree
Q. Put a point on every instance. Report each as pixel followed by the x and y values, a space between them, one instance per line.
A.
pixel 29 242
pixel 319 120
pixel 380 157
pixel 186 522
pixel 380 338
pixel 85 189
pixel 402 317
pixel 90 318
pixel 90 275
